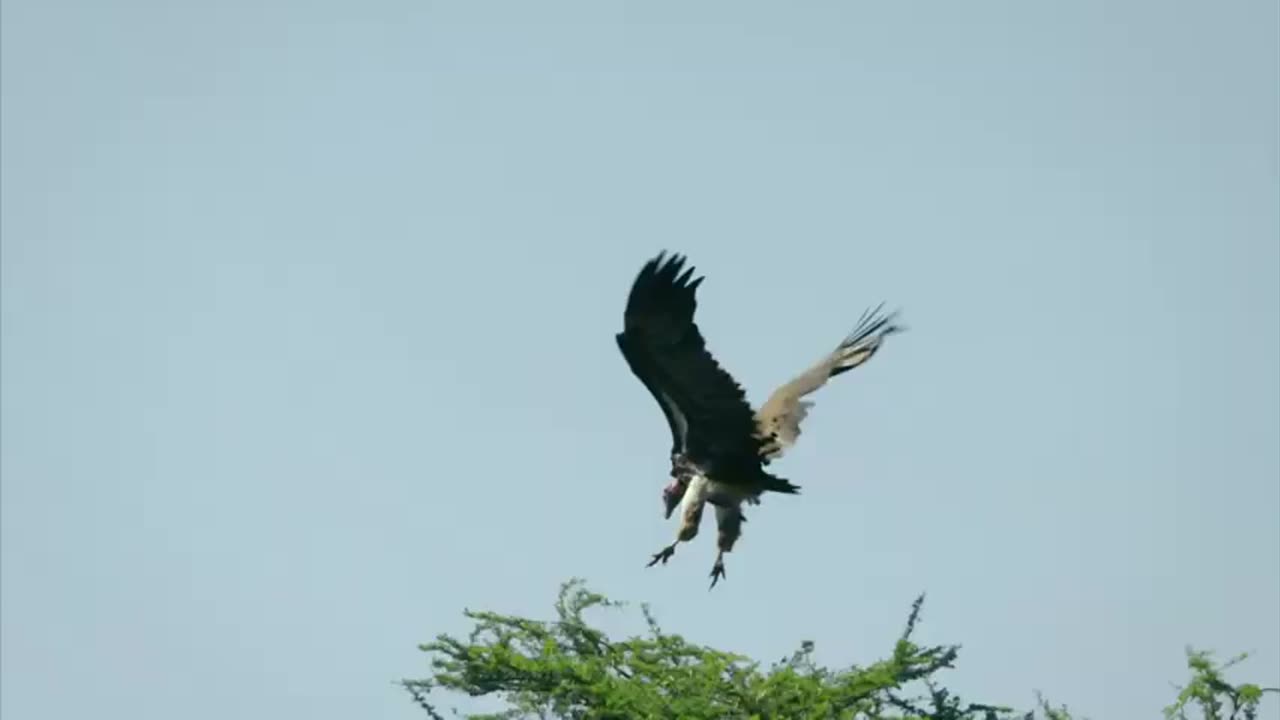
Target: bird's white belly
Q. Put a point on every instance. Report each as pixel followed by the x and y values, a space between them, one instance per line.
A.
pixel 702 491
pixel 724 495
pixel 721 493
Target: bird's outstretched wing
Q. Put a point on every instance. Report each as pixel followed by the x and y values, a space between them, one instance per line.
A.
pixel 778 420
pixel 707 410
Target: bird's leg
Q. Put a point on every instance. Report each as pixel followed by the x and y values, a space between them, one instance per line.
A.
pixel 691 506
pixel 717 570
pixel 663 555
pixel 729 521
pixel 688 530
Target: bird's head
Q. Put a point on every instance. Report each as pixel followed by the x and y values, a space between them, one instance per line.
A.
pixel 671 495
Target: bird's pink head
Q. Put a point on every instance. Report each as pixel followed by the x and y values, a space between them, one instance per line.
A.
pixel 671 495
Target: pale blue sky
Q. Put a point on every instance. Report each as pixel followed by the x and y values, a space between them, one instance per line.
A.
pixel 308 316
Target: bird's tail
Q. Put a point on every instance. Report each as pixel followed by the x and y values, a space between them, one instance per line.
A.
pixel 774 483
pixel 865 339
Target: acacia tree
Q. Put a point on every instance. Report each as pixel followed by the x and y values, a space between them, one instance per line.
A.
pixel 566 669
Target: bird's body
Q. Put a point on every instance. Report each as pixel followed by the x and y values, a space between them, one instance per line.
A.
pixel 720 445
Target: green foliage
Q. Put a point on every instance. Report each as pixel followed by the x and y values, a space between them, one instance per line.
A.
pixel 1212 695
pixel 566 669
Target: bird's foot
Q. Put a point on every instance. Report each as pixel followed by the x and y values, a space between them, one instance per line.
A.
pixel 662 555
pixel 717 572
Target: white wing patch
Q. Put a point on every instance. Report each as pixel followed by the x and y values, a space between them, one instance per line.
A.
pixel 682 423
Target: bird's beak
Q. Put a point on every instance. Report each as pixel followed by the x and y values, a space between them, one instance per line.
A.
pixel 671 499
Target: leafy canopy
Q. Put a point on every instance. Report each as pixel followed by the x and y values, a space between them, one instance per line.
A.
pixel 566 669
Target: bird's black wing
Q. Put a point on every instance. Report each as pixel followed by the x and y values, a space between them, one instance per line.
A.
pixel 706 409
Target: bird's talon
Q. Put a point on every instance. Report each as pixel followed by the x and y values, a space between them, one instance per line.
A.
pixel 662 555
pixel 717 572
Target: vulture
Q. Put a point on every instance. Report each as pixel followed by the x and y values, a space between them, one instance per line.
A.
pixel 720 445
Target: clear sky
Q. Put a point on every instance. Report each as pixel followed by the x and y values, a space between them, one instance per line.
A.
pixel 308 317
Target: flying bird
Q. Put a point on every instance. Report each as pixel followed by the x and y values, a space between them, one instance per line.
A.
pixel 720 445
